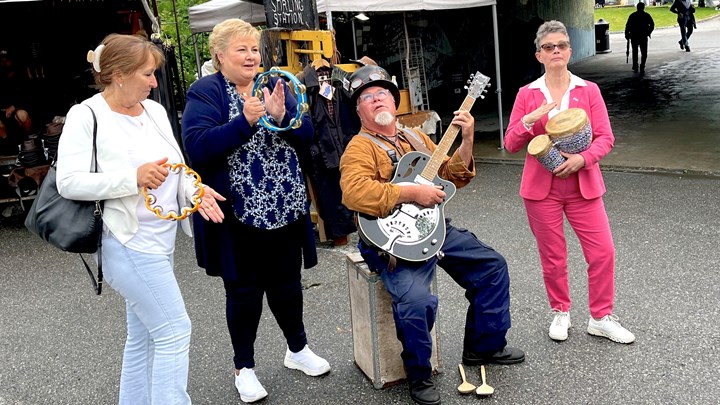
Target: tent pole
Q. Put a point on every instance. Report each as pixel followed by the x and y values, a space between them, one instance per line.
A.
pixel 497 74
pixel 197 56
pixel 328 17
pixel 352 21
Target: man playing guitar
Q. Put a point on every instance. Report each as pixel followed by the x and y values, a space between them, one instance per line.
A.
pixel 367 168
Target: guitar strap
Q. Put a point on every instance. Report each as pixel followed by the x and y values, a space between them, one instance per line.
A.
pixel 411 137
pixel 415 141
pixel 390 151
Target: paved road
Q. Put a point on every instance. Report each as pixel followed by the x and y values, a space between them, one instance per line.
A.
pixel 60 344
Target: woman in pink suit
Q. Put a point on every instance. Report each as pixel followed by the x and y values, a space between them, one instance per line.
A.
pixel 575 188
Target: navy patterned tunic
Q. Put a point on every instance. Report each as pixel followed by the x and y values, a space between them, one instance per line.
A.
pixel 268 190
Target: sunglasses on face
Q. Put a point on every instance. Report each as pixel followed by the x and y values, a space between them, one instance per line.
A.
pixel 549 47
pixel 368 97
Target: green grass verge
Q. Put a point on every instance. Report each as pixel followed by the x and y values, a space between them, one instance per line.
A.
pixel 617 15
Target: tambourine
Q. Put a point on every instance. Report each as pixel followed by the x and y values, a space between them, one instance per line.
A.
pixel 299 89
pixel 150 199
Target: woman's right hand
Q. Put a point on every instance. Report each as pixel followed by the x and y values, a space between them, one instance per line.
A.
pixel 253 110
pixel 152 174
pixel 539 112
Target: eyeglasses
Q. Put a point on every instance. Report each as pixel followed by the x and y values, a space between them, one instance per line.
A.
pixel 562 45
pixel 380 95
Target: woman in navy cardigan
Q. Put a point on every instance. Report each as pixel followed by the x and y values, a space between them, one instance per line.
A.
pixel 267 217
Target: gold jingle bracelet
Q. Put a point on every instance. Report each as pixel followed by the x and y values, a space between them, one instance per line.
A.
pixel 150 199
pixel 299 90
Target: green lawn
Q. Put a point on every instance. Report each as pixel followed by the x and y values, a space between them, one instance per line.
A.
pixel 617 16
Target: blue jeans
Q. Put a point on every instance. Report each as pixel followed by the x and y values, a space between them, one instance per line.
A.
pixel 476 267
pixel 156 356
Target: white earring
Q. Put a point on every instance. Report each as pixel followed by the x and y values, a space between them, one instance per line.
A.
pixel 121 85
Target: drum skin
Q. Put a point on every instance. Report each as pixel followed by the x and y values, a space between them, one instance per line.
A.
pixel 542 148
pixel 570 130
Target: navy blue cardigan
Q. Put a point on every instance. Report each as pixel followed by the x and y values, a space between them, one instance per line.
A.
pixel 209 139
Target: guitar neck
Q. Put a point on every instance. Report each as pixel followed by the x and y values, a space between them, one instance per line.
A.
pixel 443 147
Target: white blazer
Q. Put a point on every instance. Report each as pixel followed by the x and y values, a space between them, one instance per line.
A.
pixel 116 182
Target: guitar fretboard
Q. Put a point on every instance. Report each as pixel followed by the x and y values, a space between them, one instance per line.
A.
pixel 446 142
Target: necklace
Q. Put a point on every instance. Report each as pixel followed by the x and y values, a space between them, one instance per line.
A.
pixel 245 90
pixel 394 142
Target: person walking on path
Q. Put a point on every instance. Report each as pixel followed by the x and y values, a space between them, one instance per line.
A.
pixel 686 20
pixel 573 189
pixel 638 28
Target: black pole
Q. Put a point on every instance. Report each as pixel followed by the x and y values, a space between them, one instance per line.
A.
pixel 180 51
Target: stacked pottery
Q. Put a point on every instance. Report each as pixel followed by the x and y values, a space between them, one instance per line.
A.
pixel 570 130
pixel 542 148
pixel 51 138
pixel 32 153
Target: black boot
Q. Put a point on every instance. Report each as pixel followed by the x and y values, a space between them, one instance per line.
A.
pixel 423 392
pixel 508 355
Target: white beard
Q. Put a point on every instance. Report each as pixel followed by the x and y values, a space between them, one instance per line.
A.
pixel 384 119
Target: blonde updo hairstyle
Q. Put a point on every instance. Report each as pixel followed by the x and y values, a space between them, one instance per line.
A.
pixel 223 33
pixel 550 27
pixel 123 54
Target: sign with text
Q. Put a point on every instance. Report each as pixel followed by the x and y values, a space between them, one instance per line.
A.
pixel 292 14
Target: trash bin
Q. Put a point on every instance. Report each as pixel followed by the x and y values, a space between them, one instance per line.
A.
pixel 602 36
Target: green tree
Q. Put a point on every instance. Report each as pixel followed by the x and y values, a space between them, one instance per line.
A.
pixel 175 27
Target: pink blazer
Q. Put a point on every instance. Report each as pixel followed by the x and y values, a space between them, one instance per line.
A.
pixel 536 179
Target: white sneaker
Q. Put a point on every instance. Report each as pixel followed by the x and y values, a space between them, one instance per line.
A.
pixel 248 386
pixel 307 362
pixel 609 327
pixel 559 326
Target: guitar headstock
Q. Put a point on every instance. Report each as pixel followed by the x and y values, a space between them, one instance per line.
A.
pixel 477 85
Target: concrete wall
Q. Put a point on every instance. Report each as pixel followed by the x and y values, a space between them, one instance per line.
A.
pixel 577 15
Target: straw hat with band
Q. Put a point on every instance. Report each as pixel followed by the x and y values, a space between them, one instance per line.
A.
pixel 369 76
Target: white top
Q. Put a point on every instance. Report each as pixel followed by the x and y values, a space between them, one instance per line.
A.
pixel 116 182
pixel 145 144
pixel 565 102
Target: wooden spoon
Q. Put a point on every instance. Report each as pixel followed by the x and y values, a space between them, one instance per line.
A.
pixel 484 389
pixel 465 387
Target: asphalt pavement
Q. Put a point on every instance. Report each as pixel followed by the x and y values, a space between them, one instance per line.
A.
pixel 61 344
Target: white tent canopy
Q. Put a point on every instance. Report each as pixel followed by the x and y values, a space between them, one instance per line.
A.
pixel 203 17
pixel 398 5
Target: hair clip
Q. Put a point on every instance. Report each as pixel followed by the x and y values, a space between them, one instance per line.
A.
pixel 94 57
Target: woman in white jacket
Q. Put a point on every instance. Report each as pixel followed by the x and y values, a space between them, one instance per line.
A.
pixel 134 143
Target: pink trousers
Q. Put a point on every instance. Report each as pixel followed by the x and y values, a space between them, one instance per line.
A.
pixel 590 222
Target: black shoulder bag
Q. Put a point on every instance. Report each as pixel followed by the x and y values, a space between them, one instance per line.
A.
pixel 70 225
